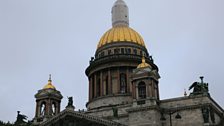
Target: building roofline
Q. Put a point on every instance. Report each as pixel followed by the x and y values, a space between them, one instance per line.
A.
pixel 192 97
pixel 80 115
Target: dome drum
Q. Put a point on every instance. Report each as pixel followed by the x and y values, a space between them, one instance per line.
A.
pixel 121 48
pixel 108 75
pixel 117 60
pixel 99 67
pixel 109 82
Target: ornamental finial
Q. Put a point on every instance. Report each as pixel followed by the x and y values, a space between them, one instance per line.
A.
pixel 49 78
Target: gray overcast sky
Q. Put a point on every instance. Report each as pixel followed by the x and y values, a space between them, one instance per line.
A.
pixel 39 37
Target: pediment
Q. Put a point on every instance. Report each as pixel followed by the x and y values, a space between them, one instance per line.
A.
pixel 73 118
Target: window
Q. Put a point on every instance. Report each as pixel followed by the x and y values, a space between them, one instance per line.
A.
pixel 93 87
pixel 43 108
pixel 122 50
pixel 109 52
pixel 107 86
pixel 102 54
pixel 141 90
pixel 98 87
pixel 53 108
pixel 135 51
pixel 123 83
pixel 141 53
pixel 116 51
pixel 127 50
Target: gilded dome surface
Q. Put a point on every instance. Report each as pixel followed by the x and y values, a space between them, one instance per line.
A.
pixel 121 34
pixel 143 64
pixel 49 85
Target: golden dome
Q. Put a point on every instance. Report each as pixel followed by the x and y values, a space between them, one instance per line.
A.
pixel 143 64
pixel 121 34
pixel 49 85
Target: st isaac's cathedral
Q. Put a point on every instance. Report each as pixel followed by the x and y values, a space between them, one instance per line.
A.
pixel 124 88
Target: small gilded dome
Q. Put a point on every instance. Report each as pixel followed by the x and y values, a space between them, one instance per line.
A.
pixel 49 85
pixel 121 34
pixel 143 64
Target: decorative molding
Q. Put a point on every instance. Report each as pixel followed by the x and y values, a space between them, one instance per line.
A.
pixel 143 108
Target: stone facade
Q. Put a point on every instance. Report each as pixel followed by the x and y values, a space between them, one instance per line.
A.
pixel 189 107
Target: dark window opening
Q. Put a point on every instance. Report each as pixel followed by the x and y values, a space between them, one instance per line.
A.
pixel 141 90
pixel 93 87
pixel 98 87
pixel 135 51
pixel 122 50
pixel 123 83
pixel 128 51
pixel 102 54
pixel 109 52
pixel 107 86
pixel 141 53
pixel 116 51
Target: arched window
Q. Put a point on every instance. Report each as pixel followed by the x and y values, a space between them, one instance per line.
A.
pixel 43 108
pixel 53 108
pixel 107 86
pixel 93 87
pixel 98 88
pixel 141 90
pixel 123 83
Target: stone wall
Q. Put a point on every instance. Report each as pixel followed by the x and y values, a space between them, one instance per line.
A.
pixel 144 118
pixel 107 101
pixel 189 108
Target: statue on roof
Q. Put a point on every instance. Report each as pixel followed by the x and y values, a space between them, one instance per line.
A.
pixel 70 103
pixel 20 119
pixel 199 87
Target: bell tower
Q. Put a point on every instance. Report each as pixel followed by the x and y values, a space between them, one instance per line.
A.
pixel 145 84
pixel 48 102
